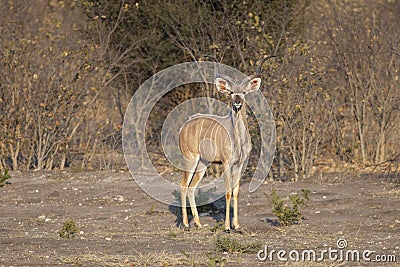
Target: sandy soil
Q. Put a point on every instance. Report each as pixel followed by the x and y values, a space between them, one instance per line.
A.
pixel 119 225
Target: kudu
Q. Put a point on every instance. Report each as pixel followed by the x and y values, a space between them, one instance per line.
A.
pixel 205 139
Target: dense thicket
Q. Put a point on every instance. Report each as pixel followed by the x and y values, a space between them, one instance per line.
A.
pixel 68 70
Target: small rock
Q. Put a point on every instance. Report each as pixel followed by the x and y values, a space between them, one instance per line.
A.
pixel 54 194
pixel 119 198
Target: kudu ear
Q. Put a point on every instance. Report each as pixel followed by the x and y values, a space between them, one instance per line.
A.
pixel 253 85
pixel 223 85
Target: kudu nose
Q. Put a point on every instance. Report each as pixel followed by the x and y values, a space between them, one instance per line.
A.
pixel 237 99
pixel 237 103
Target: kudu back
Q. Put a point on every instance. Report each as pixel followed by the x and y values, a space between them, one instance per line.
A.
pixel 206 139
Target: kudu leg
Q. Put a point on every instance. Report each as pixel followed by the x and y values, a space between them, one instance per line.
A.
pixel 184 188
pixel 198 175
pixel 236 180
pixel 228 195
pixel 235 219
pixel 185 181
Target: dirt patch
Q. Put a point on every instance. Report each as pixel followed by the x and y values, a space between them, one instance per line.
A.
pixel 119 225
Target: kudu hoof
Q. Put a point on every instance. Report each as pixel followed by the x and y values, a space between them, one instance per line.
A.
pixel 227 231
pixel 184 227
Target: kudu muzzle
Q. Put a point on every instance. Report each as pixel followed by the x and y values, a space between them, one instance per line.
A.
pixel 237 103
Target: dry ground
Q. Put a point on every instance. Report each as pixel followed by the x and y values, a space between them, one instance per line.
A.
pixel 119 225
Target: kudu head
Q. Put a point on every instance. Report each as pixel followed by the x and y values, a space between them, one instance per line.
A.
pixel 237 90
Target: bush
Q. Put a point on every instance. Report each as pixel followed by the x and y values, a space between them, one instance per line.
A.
pixel 68 230
pixel 230 244
pixel 289 215
pixel 216 262
pixel 4 176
